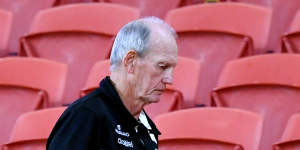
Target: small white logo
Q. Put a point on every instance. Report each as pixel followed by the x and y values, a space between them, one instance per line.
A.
pixel 125 143
pixel 120 132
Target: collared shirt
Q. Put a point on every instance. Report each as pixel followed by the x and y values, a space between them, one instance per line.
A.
pixel 100 121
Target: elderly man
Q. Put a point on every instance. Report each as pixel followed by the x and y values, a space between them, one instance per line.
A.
pixel 143 58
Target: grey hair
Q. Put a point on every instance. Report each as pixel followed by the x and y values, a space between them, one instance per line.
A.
pixel 134 36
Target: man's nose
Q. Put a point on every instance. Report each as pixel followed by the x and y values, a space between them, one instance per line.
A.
pixel 168 78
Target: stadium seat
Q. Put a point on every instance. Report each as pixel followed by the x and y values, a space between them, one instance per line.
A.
pixel 99 71
pixel 78 35
pixel 283 13
pixel 5 28
pixel 209 129
pixel 27 84
pixel 156 8
pixel 181 94
pixel 218 33
pixel 290 139
pixel 32 129
pixel 171 100
pixel 266 84
pixel 290 40
pixel 24 12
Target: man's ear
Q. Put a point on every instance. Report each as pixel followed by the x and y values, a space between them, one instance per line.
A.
pixel 129 61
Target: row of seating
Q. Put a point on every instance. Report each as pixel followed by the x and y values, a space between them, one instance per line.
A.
pixel 193 129
pixel 81 34
pixel 265 84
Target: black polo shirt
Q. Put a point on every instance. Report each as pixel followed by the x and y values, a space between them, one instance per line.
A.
pixel 100 121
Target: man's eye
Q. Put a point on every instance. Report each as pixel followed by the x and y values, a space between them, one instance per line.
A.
pixel 163 67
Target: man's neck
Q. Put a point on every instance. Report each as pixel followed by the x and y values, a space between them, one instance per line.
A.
pixel 133 105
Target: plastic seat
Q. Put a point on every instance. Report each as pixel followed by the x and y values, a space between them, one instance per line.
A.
pixel 182 93
pixel 218 33
pixel 24 12
pixel 27 84
pixel 266 84
pixel 290 40
pixel 171 99
pixel 32 129
pixel 5 28
pixel 209 129
pixel 290 139
pixel 156 8
pixel 78 35
pixel 186 80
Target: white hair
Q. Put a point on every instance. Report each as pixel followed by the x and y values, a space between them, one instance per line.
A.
pixel 134 36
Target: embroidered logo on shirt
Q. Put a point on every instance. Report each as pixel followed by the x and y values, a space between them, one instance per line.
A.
pixel 120 132
pixel 125 143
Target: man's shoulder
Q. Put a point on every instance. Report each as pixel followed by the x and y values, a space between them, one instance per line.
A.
pixel 92 102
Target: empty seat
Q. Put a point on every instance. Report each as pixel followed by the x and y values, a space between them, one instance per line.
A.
pixel 218 33
pixel 24 12
pixel 78 35
pixel 5 26
pixel 27 84
pixel 32 129
pixel 290 139
pixel 290 40
pixel 209 129
pixel 266 84
pixel 182 93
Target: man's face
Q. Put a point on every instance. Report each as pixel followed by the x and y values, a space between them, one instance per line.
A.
pixel 155 70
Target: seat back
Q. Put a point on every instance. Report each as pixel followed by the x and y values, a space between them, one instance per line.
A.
pixel 290 40
pixel 5 28
pixel 209 128
pixel 266 84
pixel 218 33
pixel 290 140
pixel 35 73
pixel 78 35
pixel 32 129
pixel 27 84
pixel 24 12
pixel 186 80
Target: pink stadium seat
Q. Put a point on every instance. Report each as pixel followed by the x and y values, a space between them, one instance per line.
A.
pixel 27 84
pixel 156 8
pixel 78 35
pixel 209 129
pixel 97 73
pixel 5 28
pixel 290 41
pixel 218 33
pixel 32 129
pixel 171 100
pixel 186 80
pixel 283 13
pixel 266 84
pixel 24 12
pixel 290 139
pixel 182 93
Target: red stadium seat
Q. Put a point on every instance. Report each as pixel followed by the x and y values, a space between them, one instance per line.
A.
pixel 182 93
pixel 32 129
pixel 5 28
pixel 209 129
pixel 78 35
pixel 27 84
pixel 266 84
pixel 186 80
pixel 97 73
pixel 24 12
pixel 156 8
pixel 290 139
pixel 218 33
pixel 290 41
